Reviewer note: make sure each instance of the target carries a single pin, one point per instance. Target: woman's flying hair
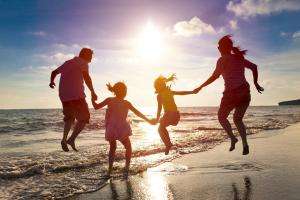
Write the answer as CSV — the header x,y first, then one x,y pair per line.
x,y
226,44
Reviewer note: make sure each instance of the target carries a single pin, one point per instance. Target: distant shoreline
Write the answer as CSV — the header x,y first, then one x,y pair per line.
x,y
290,103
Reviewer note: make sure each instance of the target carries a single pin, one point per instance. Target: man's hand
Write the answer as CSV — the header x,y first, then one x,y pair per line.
x,y
52,85
259,88
94,96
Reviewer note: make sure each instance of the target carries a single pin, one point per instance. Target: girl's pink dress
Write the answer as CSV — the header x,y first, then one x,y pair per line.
x,y
117,126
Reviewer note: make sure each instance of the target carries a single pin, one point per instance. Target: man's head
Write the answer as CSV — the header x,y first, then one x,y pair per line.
x,y
86,54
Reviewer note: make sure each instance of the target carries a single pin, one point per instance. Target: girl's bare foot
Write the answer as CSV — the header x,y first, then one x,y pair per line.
x,y
168,148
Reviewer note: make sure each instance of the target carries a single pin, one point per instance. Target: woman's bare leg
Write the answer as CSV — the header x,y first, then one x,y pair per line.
x,y
238,121
222,117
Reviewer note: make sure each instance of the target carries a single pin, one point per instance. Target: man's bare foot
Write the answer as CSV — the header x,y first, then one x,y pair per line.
x,y
64,146
72,144
168,148
233,142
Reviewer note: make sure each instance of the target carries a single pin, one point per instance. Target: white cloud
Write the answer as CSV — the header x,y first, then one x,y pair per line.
x,y
41,70
251,8
233,24
55,58
193,27
296,35
38,33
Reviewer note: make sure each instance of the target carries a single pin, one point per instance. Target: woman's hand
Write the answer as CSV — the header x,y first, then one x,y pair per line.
x,y
259,88
195,91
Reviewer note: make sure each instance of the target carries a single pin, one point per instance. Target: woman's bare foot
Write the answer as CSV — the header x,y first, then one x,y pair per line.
x,y
233,142
72,144
64,146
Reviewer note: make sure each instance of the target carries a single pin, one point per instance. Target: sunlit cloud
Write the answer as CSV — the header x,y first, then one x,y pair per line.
x,y
252,8
193,27
296,35
233,24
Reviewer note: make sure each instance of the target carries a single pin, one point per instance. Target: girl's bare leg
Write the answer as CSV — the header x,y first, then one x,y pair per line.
x,y
164,135
127,144
111,155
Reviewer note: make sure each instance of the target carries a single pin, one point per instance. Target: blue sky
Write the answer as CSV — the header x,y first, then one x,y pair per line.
x,y
38,36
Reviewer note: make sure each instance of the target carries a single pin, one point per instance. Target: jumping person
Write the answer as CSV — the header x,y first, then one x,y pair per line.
x,y
165,99
71,92
231,65
117,126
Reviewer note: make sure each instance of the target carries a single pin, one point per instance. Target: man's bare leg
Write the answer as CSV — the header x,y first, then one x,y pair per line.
x,y
67,128
79,126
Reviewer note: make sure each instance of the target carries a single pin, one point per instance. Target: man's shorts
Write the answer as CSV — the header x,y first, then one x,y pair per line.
x,y
76,109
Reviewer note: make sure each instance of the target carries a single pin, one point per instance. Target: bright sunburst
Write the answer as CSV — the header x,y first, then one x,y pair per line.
x,y
150,44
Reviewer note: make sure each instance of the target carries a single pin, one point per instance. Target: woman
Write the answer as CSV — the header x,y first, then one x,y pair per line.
x,y
231,65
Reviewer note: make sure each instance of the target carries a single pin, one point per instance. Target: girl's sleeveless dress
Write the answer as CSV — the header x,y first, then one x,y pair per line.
x,y
117,126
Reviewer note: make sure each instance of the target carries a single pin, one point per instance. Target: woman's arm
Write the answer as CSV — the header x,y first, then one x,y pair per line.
x,y
101,104
253,68
183,92
216,74
210,80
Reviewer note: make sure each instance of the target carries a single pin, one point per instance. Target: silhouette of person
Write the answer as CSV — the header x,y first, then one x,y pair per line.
x,y
74,73
231,65
247,191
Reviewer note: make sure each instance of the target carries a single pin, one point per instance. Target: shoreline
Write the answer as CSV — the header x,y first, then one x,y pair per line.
x,y
270,171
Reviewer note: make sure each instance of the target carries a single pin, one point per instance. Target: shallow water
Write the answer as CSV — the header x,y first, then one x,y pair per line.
x,y
33,166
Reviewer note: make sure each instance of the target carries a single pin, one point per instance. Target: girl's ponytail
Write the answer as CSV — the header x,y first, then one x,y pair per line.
x,y
237,51
110,88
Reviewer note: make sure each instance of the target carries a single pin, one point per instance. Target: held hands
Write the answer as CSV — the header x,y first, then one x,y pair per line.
x,y
94,96
259,88
52,85
195,91
152,121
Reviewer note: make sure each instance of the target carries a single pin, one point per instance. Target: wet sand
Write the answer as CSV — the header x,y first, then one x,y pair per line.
x,y
270,171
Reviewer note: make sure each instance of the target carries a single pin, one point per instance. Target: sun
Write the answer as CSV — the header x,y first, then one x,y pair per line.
x,y
150,42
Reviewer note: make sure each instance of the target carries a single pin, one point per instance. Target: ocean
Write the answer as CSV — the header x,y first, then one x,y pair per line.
x,y
32,164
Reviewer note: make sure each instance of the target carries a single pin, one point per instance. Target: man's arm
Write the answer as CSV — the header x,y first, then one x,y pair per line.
x,y
89,83
52,78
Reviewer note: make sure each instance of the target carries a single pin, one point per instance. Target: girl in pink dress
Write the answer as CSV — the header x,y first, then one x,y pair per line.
x,y
117,126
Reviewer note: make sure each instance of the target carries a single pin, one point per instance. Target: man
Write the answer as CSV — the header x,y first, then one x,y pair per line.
x,y
71,93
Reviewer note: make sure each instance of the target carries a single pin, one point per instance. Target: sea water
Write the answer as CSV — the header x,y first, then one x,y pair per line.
x,y
32,164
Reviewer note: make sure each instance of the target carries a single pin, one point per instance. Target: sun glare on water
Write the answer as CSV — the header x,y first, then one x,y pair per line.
x,y
150,42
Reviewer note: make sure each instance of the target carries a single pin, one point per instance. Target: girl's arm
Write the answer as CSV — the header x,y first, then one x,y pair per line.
x,y
101,104
183,92
159,107
138,113
253,68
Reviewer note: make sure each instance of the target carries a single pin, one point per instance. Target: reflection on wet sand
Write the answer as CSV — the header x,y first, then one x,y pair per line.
x,y
247,190
155,187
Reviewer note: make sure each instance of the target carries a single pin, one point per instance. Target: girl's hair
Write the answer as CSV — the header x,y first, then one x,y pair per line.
x,y
226,45
119,89
160,83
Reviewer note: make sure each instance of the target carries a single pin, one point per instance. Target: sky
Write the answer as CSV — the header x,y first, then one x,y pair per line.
x,y
136,40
